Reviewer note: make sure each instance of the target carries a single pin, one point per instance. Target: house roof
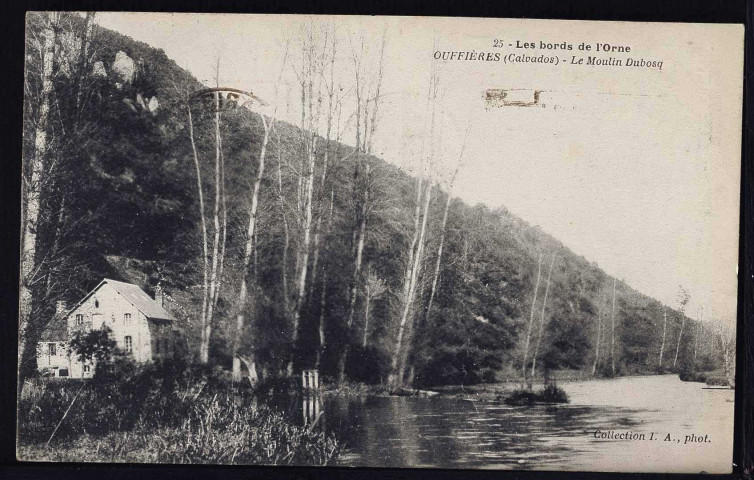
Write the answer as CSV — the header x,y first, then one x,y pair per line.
x,y
138,297
134,294
57,329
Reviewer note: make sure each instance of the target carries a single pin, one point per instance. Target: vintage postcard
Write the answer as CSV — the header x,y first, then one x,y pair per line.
x,y
379,241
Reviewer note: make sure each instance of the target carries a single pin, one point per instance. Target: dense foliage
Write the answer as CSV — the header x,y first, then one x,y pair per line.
x,y
94,345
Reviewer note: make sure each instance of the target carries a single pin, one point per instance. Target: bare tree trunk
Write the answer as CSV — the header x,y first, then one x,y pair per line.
x,y
696,337
32,191
397,364
224,229
323,293
531,316
213,279
599,337
250,236
442,228
204,343
305,249
284,269
363,145
366,321
251,367
680,333
361,237
59,221
612,332
332,106
683,300
542,321
361,216
664,331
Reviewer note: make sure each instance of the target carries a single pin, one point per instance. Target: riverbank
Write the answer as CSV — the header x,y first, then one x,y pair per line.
x,y
162,417
502,387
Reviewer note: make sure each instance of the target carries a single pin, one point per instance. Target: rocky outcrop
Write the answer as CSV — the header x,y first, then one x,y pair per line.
x,y
124,66
98,70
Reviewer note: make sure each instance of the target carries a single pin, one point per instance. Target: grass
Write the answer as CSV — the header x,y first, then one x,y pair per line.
x,y
150,418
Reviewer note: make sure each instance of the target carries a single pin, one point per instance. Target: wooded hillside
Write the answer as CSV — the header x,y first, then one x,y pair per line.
x,y
327,260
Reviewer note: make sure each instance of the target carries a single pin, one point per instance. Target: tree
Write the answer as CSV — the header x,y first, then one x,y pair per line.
x,y
438,261
374,288
213,259
725,336
416,249
664,331
599,338
683,300
323,294
367,96
93,346
310,78
59,128
531,316
699,317
542,323
251,235
32,190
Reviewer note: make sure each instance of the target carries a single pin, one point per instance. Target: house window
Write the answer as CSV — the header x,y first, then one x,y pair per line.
x,y
52,349
87,368
127,318
96,303
63,372
129,344
79,319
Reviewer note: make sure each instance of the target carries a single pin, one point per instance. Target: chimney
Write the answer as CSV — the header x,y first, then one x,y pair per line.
x,y
60,307
158,295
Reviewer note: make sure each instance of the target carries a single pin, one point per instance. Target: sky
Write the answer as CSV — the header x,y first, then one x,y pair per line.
x,y
635,168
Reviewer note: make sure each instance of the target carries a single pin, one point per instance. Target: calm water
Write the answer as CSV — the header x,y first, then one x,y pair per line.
x,y
451,432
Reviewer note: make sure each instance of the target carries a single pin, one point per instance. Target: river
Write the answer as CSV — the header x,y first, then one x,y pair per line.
x,y
656,413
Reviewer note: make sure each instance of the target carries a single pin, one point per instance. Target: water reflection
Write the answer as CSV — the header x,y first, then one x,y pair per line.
x,y
449,432
311,408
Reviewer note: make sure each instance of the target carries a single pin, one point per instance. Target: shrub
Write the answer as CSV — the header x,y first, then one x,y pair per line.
x,y
714,380
692,377
526,397
554,394
520,397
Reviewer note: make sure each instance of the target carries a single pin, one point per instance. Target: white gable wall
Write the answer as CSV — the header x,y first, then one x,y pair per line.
x,y
107,307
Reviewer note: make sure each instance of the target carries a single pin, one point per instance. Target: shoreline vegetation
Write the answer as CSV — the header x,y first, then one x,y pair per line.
x,y
163,415
195,414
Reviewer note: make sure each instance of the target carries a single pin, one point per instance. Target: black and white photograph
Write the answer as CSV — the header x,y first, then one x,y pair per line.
x,y
379,241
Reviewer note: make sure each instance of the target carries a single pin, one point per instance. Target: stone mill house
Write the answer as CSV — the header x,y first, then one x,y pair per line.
x,y
141,327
